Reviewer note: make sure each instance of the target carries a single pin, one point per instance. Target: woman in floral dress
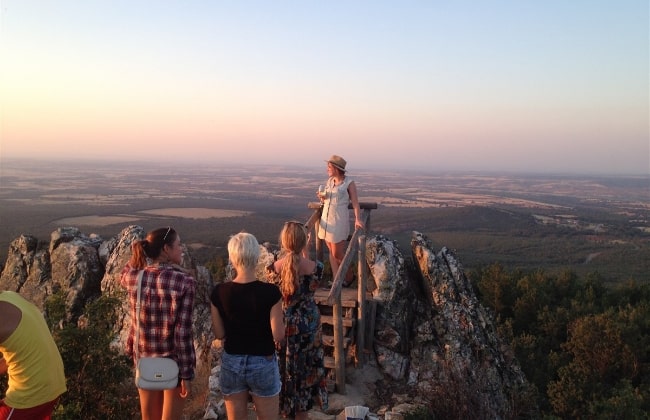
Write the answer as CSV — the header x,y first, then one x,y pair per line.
x,y
301,358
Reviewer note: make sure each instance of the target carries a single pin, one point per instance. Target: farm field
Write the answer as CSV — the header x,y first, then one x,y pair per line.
x,y
553,222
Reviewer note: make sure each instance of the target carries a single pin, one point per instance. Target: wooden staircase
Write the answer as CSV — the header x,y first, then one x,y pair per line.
x,y
349,321
347,314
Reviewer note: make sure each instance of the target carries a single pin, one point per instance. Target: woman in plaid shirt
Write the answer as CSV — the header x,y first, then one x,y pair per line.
x,y
165,316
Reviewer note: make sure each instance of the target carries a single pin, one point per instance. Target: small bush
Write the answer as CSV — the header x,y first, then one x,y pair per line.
x,y
99,378
420,413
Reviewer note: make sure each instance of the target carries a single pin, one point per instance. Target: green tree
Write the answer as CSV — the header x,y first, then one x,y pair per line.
x,y
583,344
600,361
217,267
496,290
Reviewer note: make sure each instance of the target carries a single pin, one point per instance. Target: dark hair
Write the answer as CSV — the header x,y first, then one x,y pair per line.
x,y
151,246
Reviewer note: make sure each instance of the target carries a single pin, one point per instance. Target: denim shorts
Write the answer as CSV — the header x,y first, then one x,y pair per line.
x,y
258,374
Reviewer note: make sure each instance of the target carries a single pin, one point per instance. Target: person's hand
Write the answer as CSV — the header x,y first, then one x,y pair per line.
x,y
358,224
279,345
185,388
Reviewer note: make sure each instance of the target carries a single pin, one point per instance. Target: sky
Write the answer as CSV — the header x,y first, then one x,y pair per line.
x,y
484,85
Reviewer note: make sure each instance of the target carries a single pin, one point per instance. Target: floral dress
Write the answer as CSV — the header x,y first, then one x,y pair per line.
x,y
301,359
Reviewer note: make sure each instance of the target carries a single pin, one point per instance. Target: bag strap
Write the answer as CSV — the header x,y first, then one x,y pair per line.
x,y
137,315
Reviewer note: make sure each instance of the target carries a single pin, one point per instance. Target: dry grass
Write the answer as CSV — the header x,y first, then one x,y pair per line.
x,y
196,404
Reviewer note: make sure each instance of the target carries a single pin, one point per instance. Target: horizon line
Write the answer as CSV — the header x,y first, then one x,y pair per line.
x,y
149,162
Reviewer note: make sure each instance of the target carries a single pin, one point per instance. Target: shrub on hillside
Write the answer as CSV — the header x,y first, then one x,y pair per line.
x,y
99,378
584,346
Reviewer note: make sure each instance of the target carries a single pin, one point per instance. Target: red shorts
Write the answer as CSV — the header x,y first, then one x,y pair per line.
x,y
40,412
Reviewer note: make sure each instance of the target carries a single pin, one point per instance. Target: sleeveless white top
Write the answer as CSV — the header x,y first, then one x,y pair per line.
x,y
335,219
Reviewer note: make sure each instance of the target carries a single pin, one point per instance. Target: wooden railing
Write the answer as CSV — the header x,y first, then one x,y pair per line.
x,y
357,244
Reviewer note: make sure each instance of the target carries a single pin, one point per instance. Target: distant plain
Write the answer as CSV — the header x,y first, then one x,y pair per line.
x,y
586,224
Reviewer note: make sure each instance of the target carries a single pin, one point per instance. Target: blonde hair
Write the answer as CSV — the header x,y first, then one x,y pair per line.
x,y
293,240
243,250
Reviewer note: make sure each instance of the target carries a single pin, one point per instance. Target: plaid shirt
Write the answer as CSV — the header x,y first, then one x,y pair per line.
x,y
167,302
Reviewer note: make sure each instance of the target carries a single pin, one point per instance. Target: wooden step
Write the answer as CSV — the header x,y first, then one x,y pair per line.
x,y
328,340
348,297
329,319
329,362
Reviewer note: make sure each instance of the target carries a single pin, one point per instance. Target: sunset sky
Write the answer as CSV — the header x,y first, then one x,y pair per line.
x,y
542,86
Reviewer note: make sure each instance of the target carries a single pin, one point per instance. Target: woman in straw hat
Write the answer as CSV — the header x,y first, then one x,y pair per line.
x,y
340,191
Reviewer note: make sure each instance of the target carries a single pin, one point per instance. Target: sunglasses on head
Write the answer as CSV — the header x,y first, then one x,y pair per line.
x,y
167,233
297,223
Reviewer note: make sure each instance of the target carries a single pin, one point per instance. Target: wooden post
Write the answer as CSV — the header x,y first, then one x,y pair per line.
x,y
313,219
370,334
361,299
319,247
314,222
339,351
366,217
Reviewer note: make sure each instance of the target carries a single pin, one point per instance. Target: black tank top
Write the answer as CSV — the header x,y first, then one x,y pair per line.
x,y
246,313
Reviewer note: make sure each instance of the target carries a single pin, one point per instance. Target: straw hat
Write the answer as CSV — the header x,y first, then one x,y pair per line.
x,y
338,162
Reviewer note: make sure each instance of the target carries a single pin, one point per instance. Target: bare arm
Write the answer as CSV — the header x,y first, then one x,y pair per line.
x,y
354,199
217,323
305,250
10,316
277,322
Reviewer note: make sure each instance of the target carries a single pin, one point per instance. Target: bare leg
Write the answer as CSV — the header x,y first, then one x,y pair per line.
x,y
334,264
337,253
237,406
173,404
151,404
267,408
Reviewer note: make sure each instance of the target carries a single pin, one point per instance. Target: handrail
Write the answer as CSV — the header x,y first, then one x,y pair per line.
x,y
313,219
337,283
363,205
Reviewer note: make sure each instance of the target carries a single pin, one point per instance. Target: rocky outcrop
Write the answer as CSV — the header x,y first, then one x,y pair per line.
x,y
432,336
70,263
84,267
396,294
467,352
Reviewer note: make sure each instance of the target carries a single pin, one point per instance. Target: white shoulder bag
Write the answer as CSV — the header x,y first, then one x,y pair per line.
x,y
152,373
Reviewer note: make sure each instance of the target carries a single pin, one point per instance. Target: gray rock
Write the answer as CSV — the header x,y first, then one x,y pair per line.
x,y
431,336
